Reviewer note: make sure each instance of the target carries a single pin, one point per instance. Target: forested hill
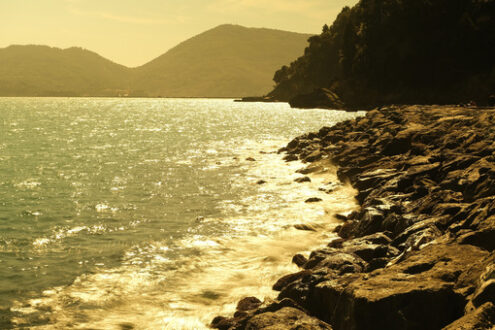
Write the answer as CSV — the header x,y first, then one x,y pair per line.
x,y
399,51
47,71
227,61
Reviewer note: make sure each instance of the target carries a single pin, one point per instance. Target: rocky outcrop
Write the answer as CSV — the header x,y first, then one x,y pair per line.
x,y
320,98
419,254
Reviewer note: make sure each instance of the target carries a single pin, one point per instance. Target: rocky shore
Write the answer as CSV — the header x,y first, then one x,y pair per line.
x,y
419,254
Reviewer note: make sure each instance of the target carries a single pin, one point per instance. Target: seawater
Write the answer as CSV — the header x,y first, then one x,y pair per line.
x,y
146,213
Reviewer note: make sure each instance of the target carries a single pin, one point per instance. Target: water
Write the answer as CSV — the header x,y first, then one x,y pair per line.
x,y
145,213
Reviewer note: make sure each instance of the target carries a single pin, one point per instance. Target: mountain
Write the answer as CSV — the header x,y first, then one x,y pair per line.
x,y
227,61
398,51
45,71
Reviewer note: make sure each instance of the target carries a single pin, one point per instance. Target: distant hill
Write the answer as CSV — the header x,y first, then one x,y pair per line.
x,y
227,61
46,71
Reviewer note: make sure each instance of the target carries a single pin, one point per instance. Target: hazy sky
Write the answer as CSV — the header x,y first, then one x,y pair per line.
x,y
132,32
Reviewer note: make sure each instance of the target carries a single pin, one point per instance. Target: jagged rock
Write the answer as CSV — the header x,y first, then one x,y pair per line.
x,y
305,227
415,293
419,252
302,179
287,318
314,156
309,169
485,293
299,260
285,280
248,303
313,200
482,318
290,158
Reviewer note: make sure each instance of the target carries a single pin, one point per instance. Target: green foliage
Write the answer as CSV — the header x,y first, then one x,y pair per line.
x,y
400,51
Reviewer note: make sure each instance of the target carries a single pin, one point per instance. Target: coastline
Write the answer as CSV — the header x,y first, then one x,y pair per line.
x,y
419,252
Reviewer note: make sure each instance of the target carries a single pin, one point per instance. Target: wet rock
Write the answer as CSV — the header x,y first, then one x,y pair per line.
x,y
286,318
305,227
313,200
310,169
485,293
248,303
287,279
330,187
222,323
291,158
336,243
393,298
299,260
314,156
482,318
347,229
302,179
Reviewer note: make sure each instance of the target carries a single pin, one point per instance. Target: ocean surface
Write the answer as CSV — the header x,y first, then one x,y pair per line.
x,y
146,213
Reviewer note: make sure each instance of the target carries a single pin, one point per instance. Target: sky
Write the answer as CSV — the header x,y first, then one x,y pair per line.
x,y
133,32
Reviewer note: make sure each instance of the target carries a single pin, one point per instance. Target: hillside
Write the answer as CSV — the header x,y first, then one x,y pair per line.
x,y
399,51
229,60
46,71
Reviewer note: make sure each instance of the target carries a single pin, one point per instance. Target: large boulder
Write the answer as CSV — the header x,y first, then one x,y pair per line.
x,y
421,292
287,318
482,318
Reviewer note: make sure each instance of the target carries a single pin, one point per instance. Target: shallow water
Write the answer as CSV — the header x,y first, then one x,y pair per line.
x,y
145,213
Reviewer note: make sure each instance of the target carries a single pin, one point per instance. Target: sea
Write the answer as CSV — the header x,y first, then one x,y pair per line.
x,y
123,213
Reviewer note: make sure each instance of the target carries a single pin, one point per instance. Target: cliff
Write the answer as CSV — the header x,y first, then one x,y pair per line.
x,y
399,52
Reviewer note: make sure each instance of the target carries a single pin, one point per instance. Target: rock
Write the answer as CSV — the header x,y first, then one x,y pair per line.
x,y
302,179
309,169
251,159
261,182
299,260
305,227
336,243
287,279
221,323
419,252
485,293
287,318
344,216
313,200
393,298
314,156
291,158
319,98
482,318
248,303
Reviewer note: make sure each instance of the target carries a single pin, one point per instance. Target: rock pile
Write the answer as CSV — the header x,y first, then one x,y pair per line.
x,y
420,252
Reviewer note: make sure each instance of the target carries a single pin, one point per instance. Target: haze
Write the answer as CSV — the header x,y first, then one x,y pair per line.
x,y
134,32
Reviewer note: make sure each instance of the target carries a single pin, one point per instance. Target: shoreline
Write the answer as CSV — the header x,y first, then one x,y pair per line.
x,y
419,253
